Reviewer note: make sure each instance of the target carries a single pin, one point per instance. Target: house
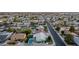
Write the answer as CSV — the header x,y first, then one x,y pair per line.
x,y
40,28
65,29
21,24
4,36
2,28
18,37
76,39
76,23
40,36
3,19
1,22
41,21
34,21
77,32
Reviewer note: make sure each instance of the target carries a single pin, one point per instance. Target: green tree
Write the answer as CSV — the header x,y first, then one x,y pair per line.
x,y
69,39
72,29
45,28
10,30
58,28
49,40
27,31
33,18
5,16
62,33
16,19
61,18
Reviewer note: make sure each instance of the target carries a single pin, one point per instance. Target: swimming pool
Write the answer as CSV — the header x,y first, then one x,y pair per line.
x,y
30,41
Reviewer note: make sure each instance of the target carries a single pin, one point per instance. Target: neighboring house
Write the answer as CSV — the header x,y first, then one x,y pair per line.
x,y
76,23
77,32
40,28
76,39
16,27
4,36
10,19
3,19
1,22
18,37
41,21
20,24
65,29
34,21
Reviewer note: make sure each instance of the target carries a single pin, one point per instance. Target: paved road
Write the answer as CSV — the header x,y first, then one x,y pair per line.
x,y
57,39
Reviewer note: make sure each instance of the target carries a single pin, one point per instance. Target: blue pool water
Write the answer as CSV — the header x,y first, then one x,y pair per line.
x,y
30,41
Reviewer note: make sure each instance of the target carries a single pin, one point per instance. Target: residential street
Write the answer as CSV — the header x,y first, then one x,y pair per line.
x,y
57,39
